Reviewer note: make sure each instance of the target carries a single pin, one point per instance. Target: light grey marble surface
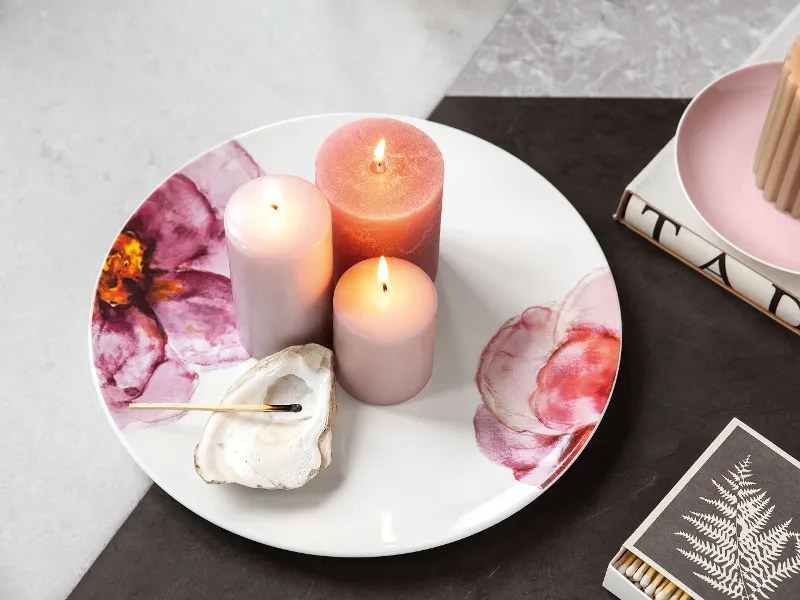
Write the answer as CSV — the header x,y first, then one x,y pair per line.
x,y
666,48
99,102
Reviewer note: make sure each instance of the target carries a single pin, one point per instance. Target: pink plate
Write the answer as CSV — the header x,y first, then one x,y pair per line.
x,y
716,142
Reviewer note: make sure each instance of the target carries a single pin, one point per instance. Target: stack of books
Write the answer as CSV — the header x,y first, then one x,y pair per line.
x,y
655,206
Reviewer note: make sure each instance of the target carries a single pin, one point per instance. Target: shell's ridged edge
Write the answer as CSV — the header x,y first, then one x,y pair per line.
x,y
333,408
304,351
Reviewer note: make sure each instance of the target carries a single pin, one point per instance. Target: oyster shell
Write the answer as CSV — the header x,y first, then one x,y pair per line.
x,y
273,450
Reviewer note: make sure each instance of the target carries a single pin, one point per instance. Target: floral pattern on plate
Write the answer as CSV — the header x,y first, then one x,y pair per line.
x,y
545,379
163,305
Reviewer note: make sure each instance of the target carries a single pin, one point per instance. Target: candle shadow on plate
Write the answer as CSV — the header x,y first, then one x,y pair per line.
x,y
465,321
319,489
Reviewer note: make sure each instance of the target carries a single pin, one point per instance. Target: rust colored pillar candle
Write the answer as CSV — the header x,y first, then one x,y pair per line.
x,y
383,179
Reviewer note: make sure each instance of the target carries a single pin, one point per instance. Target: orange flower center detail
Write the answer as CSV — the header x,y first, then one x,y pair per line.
x,y
163,289
123,263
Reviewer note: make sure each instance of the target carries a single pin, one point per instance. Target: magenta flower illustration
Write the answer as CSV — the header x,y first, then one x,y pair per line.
x,y
164,307
545,379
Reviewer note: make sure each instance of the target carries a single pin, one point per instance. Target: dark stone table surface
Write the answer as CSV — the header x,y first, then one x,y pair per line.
x,y
693,356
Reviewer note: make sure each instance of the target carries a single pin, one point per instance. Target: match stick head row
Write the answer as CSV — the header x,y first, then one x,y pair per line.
x,y
647,577
634,566
666,591
623,568
623,559
651,589
652,583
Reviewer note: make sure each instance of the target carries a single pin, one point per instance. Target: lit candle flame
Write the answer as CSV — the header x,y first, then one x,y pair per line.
x,y
378,157
383,274
380,151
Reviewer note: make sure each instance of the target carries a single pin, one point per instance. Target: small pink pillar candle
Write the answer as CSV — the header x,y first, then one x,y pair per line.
x,y
278,229
384,322
386,199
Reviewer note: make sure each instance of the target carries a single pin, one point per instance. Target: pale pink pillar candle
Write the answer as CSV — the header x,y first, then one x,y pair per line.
x,y
384,323
388,205
278,229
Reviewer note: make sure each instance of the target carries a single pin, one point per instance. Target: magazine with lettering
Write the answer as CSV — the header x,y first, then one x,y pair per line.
x,y
655,206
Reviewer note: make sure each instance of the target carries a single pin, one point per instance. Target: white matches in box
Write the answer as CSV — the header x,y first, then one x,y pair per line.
x,y
629,577
727,530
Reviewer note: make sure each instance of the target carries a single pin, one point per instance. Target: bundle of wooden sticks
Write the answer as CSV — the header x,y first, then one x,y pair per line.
x,y
650,581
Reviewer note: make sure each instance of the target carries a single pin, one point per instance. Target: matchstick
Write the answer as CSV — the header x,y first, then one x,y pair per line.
x,y
666,593
650,581
648,577
634,566
624,566
253,408
622,559
654,585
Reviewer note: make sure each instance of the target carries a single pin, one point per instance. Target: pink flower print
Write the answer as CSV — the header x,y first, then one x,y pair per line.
x,y
545,379
163,307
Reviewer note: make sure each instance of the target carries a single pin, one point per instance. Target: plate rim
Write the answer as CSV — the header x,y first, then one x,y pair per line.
x,y
381,551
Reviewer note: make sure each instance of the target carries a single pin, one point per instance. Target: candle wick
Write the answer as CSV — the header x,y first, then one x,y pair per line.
x,y
275,206
385,287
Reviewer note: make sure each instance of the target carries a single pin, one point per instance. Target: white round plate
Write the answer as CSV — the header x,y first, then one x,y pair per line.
x,y
527,352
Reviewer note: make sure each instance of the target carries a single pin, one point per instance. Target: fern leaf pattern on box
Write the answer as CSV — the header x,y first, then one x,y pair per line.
x,y
736,550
